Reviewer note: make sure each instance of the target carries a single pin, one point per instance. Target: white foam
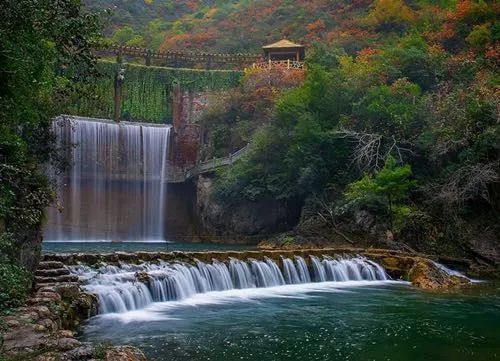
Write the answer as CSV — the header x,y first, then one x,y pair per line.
x,y
159,311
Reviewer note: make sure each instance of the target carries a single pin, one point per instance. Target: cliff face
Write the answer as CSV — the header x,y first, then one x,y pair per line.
x,y
244,219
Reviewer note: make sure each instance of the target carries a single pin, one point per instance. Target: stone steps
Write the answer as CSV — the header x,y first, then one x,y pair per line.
x,y
45,265
52,272
39,280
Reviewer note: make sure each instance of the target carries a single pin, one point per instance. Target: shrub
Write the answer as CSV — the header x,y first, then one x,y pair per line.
x,y
14,285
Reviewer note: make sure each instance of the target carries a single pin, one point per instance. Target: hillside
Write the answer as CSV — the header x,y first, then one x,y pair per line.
x,y
226,25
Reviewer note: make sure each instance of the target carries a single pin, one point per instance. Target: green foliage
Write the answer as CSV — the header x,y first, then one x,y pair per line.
x,y
14,285
479,36
14,280
390,110
146,90
388,188
45,46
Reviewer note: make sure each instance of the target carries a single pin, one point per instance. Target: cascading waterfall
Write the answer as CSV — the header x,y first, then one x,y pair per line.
x,y
123,288
115,186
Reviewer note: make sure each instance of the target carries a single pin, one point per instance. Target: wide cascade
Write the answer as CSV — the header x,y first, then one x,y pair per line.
x,y
115,185
130,287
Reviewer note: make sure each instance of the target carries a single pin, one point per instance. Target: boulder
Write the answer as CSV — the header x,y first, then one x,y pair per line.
x,y
142,277
124,353
67,343
427,275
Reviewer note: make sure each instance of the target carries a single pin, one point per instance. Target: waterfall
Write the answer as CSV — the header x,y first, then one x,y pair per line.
x,y
114,188
123,288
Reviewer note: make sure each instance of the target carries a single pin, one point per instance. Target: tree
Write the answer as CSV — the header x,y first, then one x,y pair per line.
x,y
45,47
389,188
390,14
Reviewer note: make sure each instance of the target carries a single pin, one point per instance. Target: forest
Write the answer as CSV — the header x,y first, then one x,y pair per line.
x,y
376,162
404,132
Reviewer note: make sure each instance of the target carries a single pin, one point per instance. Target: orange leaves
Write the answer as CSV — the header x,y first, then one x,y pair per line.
x,y
390,11
366,53
316,26
492,53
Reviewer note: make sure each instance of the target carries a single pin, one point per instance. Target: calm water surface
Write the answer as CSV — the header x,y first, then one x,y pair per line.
x,y
377,321
87,246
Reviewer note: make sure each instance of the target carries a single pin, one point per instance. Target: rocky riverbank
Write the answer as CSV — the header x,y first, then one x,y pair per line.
x,y
45,328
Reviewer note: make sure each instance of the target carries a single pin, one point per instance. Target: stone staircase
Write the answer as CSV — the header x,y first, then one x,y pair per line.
x,y
52,273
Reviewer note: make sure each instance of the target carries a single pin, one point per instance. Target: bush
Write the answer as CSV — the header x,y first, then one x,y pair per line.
x,y
14,285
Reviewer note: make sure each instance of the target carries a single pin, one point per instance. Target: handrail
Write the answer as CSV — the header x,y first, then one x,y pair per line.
x,y
179,176
279,64
210,165
180,55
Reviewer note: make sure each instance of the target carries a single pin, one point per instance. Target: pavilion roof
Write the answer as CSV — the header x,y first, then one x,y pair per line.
x,y
284,43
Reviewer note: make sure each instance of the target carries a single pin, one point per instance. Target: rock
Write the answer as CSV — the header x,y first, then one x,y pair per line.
x,y
39,328
56,279
84,352
427,275
68,291
52,272
11,322
244,219
50,265
23,338
67,343
29,317
48,356
40,301
85,305
47,324
124,353
42,311
65,333
364,219
142,277
53,296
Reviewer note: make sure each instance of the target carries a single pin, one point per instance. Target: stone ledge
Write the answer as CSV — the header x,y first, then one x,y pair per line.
x,y
398,264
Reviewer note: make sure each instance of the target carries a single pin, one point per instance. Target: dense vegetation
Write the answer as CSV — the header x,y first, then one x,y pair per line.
x,y
39,41
414,81
146,94
406,129
216,25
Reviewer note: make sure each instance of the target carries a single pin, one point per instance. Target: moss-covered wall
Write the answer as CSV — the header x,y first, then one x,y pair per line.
x,y
146,90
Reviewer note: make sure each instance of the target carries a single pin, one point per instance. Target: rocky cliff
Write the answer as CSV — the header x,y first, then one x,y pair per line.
x,y
244,221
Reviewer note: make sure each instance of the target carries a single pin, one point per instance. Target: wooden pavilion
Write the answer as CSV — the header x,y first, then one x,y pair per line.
x,y
284,50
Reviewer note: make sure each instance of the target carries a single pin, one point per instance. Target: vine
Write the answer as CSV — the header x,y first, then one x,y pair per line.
x,y
147,90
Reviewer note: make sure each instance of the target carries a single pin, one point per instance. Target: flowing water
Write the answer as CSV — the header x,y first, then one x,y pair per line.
x,y
257,310
119,291
356,322
303,309
115,186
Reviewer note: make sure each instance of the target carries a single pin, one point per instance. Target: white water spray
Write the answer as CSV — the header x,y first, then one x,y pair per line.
x,y
119,289
115,187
